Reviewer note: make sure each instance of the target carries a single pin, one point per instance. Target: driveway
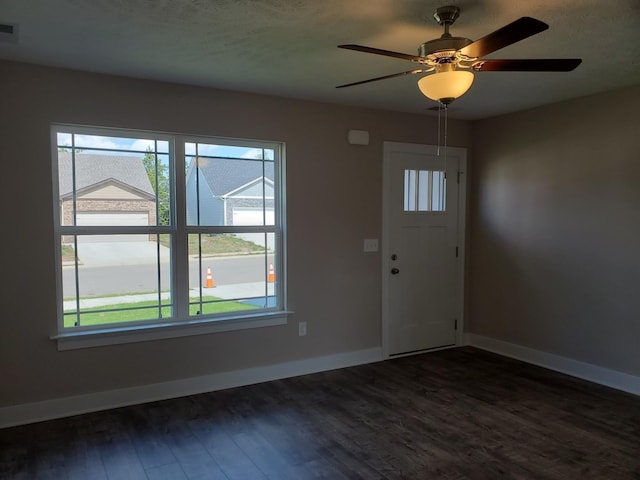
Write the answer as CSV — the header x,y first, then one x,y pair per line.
x,y
120,253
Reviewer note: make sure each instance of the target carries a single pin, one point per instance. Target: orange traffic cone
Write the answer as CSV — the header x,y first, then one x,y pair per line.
x,y
272,274
209,282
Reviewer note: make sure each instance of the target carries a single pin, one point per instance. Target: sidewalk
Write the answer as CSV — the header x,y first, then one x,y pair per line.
x,y
227,292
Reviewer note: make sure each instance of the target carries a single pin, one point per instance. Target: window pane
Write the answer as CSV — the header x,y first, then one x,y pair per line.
x,y
101,142
115,279
157,168
228,273
107,189
424,191
273,274
409,190
228,151
438,192
229,191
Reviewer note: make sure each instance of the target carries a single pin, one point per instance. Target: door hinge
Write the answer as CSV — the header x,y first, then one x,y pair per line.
x,y
459,173
455,324
457,249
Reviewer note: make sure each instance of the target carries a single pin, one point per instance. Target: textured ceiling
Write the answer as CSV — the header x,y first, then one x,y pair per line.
x,y
288,47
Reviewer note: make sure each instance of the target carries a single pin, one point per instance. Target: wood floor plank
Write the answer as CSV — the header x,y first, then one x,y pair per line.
x,y
195,460
231,459
171,471
82,456
14,452
116,448
146,427
449,415
47,457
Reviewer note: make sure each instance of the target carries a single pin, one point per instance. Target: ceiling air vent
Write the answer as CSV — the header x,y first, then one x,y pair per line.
x,y
8,33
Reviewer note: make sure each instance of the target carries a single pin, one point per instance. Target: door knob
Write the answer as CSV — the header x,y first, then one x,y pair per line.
x,y
395,271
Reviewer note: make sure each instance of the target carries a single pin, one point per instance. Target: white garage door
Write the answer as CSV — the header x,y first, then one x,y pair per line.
x,y
252,216
126,219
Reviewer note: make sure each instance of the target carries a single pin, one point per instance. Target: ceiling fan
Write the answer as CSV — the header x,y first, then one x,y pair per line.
x,y
454,59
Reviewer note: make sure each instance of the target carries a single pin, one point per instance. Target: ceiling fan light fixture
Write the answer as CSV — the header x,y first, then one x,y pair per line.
x,y
446,86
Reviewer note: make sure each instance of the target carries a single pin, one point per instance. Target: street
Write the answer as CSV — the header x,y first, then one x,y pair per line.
x,y
123,279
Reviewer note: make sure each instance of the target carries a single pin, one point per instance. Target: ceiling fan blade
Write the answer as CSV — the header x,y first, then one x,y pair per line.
x,y
401,74
378,51
514,32
528,65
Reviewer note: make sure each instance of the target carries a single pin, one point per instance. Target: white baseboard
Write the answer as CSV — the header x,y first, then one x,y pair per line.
x,y
92,402
586,371
68,406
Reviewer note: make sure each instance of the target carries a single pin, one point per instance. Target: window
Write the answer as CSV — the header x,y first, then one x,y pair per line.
x,y
424,191
166,232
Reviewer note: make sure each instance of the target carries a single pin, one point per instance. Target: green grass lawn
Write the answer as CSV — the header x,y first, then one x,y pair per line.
x,y
67,253
221,244
147,310
217,244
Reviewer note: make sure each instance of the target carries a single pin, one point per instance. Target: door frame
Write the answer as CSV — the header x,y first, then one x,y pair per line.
x,y
388,149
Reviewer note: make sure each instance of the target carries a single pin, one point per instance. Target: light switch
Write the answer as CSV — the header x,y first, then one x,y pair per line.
x,y
370,244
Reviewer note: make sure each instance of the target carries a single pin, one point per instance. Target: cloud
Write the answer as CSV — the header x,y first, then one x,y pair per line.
x,y
95,141
257,153
64,138
125,145
203,149
143,144
253,153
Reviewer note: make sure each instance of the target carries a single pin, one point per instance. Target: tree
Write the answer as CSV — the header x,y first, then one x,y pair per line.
x,y
158,173
67,148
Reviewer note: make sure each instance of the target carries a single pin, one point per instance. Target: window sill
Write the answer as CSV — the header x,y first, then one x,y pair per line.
x,y
143,333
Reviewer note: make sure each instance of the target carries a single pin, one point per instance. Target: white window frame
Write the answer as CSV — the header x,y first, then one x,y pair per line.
x,y
181,324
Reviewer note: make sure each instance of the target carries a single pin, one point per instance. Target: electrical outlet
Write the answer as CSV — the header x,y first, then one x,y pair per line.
x,y
370,244
302,329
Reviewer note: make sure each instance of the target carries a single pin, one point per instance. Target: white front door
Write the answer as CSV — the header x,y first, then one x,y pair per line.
x,y
422,247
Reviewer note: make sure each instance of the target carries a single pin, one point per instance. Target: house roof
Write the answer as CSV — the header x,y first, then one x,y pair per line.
x,y
224,175
254,188
96,169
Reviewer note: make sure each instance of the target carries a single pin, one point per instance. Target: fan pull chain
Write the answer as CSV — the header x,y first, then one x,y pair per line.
x,y
439,108
446,128
444,180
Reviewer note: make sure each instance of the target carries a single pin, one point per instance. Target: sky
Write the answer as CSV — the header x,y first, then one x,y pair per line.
x,y
140,145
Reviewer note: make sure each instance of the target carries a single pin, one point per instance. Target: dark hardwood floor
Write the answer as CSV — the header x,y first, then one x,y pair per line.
x,y
454,414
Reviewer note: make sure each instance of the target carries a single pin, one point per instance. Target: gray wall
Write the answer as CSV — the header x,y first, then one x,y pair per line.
x,y
334,286
554,229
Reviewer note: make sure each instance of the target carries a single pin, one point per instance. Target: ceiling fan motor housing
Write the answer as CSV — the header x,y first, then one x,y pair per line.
x,y
442,48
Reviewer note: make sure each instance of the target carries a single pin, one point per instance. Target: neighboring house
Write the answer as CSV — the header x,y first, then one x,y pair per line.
x,y
110,190
223,191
